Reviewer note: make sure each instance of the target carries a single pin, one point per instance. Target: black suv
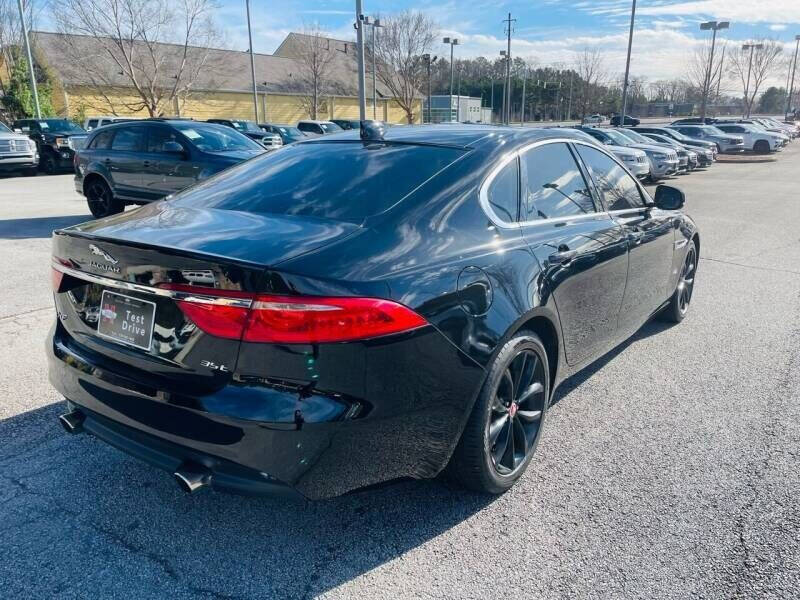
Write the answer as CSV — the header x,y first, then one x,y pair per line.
x,y
142,161
629,120
56,140
347,123
252,130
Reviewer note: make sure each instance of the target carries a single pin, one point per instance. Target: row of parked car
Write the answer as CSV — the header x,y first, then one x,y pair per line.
x,y
49,145
655,152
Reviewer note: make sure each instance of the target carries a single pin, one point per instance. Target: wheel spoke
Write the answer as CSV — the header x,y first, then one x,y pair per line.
x,y
495,428
500,449
530,391
508,457
530,416
521,441
518,379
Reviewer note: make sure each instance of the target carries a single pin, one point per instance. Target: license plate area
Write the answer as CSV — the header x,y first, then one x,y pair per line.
x,y
126,320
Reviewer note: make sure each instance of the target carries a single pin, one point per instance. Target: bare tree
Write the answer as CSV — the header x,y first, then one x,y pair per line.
x,y
314,54
764,64
592,74
11,34
119,45
403,40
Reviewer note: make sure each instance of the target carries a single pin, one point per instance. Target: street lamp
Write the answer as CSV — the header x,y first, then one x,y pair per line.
x,y
375,24
428,62
714,26
750,47
452,42
794,68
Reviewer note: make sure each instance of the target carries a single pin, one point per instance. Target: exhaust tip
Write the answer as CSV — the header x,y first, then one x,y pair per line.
x,y
192,479
72,422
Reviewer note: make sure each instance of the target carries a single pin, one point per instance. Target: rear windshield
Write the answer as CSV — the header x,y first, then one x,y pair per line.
x,y
345,181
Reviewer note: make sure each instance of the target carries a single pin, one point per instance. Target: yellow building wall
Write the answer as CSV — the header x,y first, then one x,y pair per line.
x,y
90,102
280,108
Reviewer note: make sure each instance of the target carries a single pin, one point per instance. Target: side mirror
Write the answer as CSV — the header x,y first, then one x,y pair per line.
x,y
669,198
174,148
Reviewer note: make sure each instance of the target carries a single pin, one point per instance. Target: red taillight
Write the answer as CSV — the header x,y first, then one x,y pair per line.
x,y
295,319
55,278
310,320
221,321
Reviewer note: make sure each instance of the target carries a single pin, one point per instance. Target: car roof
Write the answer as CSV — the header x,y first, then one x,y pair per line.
x,y
456,135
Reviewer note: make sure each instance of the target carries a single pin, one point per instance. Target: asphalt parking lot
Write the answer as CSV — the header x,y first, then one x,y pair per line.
x,y
668,469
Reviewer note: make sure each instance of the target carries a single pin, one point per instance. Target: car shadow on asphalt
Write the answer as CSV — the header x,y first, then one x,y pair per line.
x,y
652,327
37,227
136,525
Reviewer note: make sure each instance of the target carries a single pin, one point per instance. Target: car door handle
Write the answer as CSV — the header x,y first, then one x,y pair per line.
x,y
635,237
564,256
145,163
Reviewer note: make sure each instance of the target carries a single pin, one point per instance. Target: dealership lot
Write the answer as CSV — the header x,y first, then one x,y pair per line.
x,y
667,469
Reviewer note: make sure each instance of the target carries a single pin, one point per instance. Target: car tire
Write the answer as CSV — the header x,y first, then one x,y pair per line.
x,y
761,147
101,200
48,164
486,458
678,305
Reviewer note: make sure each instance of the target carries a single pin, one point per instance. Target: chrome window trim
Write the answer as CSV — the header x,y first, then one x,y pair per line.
x,y
483,194
146,289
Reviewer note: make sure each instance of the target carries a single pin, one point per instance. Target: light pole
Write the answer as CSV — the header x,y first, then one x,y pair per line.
x,y
362,92
453,42
524,82
375,24
428,62
714,26
458,94
751,47
31,72
506,98
794,68
509,28
627,68
491,120
252,62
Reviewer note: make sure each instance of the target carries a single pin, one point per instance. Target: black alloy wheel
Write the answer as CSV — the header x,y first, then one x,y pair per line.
x,y
504,427
101,199
761,147
517,410
678,306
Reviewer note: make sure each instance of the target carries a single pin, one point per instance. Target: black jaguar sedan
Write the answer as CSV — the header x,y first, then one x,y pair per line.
x,y
360,307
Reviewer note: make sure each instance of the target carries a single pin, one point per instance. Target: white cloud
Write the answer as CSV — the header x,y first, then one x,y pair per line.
x,y
777,27
744,11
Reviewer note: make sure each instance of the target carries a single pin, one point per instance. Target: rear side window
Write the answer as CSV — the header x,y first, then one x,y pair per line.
x,y
345,181
619,190
553,185
91,124
101,140
503,192
128,139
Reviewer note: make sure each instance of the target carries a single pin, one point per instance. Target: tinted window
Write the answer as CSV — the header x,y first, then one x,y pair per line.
x,y
619,190
554,186
503,192
158,136
309,127
101,140
91,124
346,181
128,139
4,128
330,127
217,138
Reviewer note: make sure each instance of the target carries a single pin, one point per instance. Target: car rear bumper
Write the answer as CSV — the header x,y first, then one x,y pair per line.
x,y
328,443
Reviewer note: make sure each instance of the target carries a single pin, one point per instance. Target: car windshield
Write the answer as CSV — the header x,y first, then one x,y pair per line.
x,y
618,138
345,181
4,129
293,133
635,136
60,126
330,127
216,138
710,130
661,139
248,126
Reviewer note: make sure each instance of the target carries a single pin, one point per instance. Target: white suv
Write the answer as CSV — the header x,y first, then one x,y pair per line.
x,y
755,138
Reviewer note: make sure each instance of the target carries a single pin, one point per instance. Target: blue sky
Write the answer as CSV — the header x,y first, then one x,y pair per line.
x,y
547,31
